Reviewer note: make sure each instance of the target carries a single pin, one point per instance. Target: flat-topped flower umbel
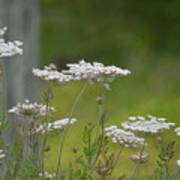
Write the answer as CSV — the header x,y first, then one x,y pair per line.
x,y
53,126
96,72
50,73
9,48
124,138
151,124
31,109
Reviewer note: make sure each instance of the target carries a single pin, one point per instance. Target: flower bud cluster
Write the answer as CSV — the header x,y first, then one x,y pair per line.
x,y
139,158
151,124
31,109
124,138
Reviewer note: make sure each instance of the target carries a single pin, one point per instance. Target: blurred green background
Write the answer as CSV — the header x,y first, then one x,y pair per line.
x,y
143,36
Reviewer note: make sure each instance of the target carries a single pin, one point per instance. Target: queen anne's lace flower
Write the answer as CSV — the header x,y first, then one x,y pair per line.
x,y
52,126
2,154
47,175
124,138
177,131
151,124
95,71
8,49
31,109
50,73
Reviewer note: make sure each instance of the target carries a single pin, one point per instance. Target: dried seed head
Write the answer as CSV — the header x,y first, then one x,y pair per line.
x,y
139,158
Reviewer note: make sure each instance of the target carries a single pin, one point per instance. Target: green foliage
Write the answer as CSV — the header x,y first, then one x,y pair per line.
x,y
164,157
29,169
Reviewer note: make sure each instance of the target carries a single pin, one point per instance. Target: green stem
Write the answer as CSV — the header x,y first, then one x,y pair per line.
x,y
62,136
45,136
100,125
137,167
117,158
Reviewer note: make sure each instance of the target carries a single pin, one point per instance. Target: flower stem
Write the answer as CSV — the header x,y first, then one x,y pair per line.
x,y
62,137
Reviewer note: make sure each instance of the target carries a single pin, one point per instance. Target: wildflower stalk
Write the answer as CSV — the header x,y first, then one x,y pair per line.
x,y
117,158
62,136
100,124
177,173
137,167
47,97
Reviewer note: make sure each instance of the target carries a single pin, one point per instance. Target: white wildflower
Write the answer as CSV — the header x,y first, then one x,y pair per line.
x,y
52,126
124,138
47,175
2,154
10,48
95,71
50,73
31,109
151,124
177,131
178,163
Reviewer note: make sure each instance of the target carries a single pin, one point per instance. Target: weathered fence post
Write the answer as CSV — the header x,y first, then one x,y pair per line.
x,y
22,19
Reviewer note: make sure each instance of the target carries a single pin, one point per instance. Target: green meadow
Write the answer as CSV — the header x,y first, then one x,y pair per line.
x,y
121,34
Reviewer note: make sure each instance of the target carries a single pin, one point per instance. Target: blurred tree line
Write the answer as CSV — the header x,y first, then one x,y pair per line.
x,y
124,32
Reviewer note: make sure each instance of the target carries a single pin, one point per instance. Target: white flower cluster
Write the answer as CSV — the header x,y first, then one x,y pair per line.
x,y
50,73
151,124
177,131
31,109
47,175
95,71
124,138
178,163
56,125
8,49
2,154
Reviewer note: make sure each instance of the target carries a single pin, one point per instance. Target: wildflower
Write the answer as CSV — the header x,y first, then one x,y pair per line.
x,y
56,125
178,163
50,73
2,154
139,158
47,175
177,131
31,109
10,48
95,72
124,138
151,124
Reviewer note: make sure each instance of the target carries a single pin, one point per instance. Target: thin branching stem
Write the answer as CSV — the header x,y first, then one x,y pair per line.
x,y
64,134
